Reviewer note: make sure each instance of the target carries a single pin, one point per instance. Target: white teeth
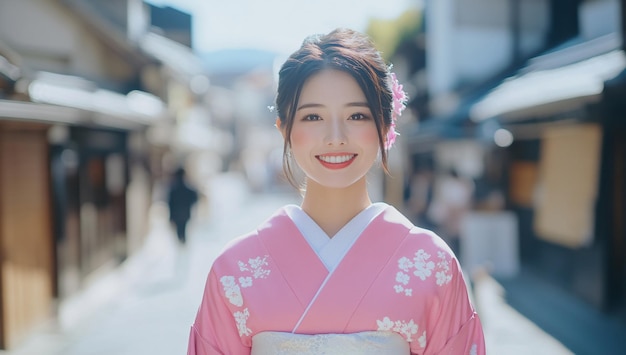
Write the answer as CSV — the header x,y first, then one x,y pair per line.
x,y
336,159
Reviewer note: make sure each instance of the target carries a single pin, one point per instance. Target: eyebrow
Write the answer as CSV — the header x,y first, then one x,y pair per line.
x,y
350,104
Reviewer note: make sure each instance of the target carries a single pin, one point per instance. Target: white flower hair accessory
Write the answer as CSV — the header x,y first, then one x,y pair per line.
x,y
398,104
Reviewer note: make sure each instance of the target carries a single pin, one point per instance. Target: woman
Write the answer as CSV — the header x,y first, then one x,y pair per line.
x,y
337,274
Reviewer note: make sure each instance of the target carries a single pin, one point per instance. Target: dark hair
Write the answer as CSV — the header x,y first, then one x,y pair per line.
x,y
342,49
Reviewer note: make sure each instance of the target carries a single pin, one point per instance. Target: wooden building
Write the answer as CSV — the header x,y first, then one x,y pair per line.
x,y
526,99
82,84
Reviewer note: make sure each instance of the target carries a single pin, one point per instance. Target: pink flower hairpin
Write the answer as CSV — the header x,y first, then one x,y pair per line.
x,y
398,105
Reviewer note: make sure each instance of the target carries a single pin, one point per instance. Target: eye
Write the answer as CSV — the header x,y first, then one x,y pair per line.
x,y
311,117
358,117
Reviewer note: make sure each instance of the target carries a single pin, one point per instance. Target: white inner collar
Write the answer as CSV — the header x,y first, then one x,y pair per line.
x,y
332,250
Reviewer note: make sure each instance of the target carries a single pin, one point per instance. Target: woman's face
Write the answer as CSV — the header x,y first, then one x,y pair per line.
x,y
334,138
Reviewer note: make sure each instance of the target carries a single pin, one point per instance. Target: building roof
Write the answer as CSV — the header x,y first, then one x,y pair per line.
x,y
564,79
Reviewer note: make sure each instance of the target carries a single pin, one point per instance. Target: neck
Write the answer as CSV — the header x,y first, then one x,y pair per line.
x,y
332,208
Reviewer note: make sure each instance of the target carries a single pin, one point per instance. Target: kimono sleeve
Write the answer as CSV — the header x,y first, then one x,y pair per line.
x,y
457,330
214,330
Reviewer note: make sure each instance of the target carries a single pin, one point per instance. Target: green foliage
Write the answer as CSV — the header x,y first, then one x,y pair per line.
x,y
388,34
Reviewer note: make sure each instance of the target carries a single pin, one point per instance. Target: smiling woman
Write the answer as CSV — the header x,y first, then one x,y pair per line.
x,y
334,138
338,274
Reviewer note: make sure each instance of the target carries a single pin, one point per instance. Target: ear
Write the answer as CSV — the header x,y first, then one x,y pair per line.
x,y
279,127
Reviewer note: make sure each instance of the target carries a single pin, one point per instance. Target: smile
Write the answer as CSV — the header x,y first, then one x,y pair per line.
x,y
336,161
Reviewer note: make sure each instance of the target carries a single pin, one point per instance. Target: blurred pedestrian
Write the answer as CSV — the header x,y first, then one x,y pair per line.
x,y
181,198
337,274
452,201
419,196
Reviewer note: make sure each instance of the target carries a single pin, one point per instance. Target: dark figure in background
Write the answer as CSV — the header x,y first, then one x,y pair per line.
x,y
181,198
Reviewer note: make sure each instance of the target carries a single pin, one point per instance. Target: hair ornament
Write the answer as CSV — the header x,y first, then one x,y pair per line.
x,y
398,104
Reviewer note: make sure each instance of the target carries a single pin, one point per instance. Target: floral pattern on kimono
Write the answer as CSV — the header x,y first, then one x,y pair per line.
x,y
395,277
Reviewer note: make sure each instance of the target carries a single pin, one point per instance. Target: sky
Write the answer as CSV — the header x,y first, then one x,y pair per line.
x,y
277,25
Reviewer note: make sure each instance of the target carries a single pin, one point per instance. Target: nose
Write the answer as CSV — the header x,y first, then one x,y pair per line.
x,y
336,133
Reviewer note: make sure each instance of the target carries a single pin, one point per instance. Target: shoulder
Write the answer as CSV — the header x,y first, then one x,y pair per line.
x,y
414,243
428,239
424,259
391,221
412,235
250,245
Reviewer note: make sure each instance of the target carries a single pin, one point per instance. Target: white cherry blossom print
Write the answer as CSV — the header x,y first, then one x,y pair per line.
x,y
405,264
385,324
232,286
406,329
443,275
424,268
473,350
242,322
255,267
443,278
232,290
422,340
245,281
402,278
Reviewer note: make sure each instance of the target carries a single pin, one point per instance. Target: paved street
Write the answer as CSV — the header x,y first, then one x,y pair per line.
x,y
159,289
155,317
507,332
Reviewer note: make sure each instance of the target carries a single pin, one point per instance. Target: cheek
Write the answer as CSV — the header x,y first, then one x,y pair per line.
x,y
368,136
300,136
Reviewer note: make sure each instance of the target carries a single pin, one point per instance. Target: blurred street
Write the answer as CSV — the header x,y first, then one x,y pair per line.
x,y
159,289
512,149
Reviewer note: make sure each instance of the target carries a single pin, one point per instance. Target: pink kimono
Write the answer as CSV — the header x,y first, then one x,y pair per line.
x,y
381,274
